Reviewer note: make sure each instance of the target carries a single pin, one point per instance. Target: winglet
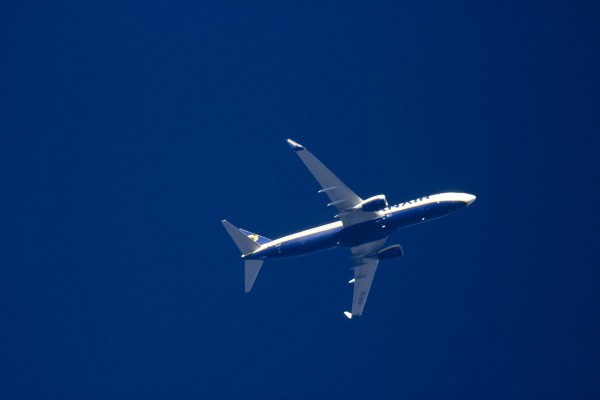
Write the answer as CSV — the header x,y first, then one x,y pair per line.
x,y
295,146
348,314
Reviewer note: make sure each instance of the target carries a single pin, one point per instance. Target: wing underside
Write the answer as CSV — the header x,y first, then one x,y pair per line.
x,y
364,268
341,196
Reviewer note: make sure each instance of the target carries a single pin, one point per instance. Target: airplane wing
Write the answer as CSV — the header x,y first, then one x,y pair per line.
x,y
364,272
341,196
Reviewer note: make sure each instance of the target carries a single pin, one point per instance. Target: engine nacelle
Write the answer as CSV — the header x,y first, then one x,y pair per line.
x,y
375,203
389,253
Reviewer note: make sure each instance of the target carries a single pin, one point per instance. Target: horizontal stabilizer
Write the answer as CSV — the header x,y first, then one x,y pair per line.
x,y
251,269
243,242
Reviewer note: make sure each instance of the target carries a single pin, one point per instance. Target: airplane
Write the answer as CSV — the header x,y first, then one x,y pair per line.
x,y
363,227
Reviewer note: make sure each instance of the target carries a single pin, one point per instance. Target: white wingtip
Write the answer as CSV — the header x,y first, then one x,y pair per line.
x,y
348,314
295,146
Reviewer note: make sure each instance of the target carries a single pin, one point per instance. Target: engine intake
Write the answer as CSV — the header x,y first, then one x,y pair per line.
x,y
375,203
389,253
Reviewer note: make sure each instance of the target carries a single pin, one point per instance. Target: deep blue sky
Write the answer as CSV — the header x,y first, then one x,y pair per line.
x,y
129,130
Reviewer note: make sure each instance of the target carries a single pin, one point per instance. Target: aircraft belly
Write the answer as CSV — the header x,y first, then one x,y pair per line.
x,y
365,232
308,244
358,234
299,246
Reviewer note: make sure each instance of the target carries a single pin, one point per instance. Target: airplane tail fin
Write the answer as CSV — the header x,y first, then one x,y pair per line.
x,y
247,242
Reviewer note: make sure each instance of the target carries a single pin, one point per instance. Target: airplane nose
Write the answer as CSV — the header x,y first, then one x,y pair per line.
x,y
469,198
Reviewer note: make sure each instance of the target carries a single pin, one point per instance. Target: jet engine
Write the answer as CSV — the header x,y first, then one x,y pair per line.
x,y
372,204
390,252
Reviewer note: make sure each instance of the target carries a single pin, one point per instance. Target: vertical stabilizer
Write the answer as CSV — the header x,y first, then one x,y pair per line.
x,y
251,268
